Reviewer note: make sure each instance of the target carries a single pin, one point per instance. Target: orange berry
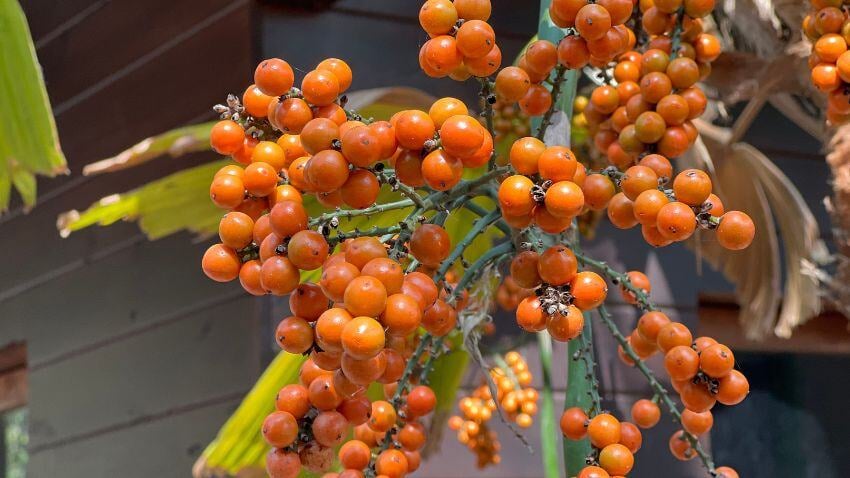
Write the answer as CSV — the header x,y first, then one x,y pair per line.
x,y
697,423
645,413
320,87
430,244
274,77
220,263
475,38
735,231
616,459
574,423
603,430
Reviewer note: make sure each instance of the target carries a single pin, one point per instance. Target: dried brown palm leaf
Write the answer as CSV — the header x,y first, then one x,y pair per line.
x,y
755,271
799,233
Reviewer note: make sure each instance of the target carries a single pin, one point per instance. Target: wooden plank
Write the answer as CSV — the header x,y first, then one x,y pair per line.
x,y
13,389
147,283
110,40
165,447
179,84
48,19
212,353
13,356
175,84
824,334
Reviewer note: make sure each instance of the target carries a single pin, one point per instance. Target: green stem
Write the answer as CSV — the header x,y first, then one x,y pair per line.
x,y
557,84
349,213
477,267
579,394
548,430
477,228
620,278
486,91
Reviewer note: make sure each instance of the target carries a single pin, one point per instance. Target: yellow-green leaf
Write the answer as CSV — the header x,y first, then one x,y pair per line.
x,y
29,143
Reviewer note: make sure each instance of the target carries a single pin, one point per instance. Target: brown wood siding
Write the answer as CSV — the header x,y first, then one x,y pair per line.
x,y
135,357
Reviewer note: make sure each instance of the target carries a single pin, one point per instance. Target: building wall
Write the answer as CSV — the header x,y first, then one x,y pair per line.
x,y
135,358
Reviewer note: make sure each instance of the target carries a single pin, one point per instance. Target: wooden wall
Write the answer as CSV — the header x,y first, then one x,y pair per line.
x,y
135,359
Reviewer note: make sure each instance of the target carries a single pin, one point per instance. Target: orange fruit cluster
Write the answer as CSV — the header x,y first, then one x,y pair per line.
x,y
514,396
614,442
828,28
564,292
462,43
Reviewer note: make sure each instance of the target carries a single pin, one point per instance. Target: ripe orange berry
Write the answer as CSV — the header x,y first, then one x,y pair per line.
x,y
557,265
421,401
355,454
512,83
645,413
593,472
366,296
442,55
280,429
486,65
279,276
220,263
282,464
695,396
461,135
524,269
401,315
274,77
363,249
630,436
473,9
592,21
557,163
437,17
726,472
650,324
445,108
226,137
574,423
413,128
294,335
676,221
530,315
733,388
603,430
692,187
236,230
588,289
680,447
249,277
573,52
329,428
564,326
475,38
681,363
564,199
537,101
616,459
362,338
340,70
256,102
636,180
541,57
361,189
430,244
391,463
697,423
621,212
598,190
716,360
735,231
672,335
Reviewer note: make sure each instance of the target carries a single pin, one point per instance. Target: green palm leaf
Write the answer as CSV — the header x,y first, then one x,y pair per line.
x,y
29,144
